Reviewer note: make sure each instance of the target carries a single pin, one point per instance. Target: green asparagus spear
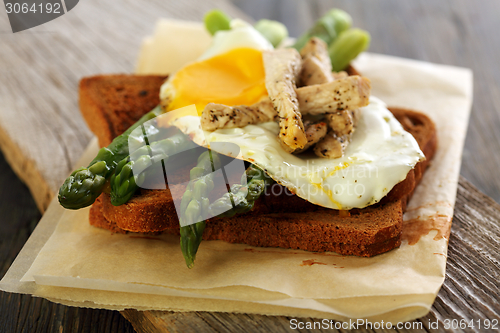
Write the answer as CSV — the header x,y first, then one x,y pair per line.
x,y
191,237
84,185
275,32
327,28
125,179
347,46
241,199
194,205
216,20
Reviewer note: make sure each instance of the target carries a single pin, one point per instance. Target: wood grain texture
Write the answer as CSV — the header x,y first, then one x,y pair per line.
x,y
42,133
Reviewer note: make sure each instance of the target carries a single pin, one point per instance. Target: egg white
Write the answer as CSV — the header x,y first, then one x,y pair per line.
x,y
241,35
379,156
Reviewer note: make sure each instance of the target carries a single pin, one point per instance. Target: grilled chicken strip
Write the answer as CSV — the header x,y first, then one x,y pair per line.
x,y
282,67
331,146
217,116
316,64
314,133
342,125
349,93
341,122
339,75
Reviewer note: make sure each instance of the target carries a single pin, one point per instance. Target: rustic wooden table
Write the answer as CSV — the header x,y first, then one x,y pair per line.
x,y
39,72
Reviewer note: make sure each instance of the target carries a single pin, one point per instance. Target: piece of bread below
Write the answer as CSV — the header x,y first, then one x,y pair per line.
x,y
370,231
112,103
276,221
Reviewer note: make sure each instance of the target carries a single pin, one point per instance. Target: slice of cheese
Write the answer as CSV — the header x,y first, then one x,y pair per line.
x,y
174,44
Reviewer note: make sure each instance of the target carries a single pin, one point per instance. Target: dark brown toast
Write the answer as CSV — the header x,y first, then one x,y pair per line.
x,y
365,232
276,221
111,103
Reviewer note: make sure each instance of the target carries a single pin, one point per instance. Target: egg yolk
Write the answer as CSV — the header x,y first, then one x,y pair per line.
x,y
233,78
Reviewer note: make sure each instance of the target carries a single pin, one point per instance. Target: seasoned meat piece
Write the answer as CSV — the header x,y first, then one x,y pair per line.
x,y
316,64
221,116
314,133
313,72
339,75
341,122
331,146
349,93
282,67
316,47
341,125
217,116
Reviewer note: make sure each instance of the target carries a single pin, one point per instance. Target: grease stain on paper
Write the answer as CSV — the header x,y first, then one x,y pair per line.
x,y
415,228
311,262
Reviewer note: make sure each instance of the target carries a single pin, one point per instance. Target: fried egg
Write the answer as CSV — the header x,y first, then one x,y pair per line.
x,y
230,72
379,156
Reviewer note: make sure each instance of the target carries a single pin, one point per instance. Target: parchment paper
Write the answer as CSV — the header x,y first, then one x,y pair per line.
x,y
68,261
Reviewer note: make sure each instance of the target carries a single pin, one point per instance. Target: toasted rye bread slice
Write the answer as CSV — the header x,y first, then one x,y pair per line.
x,y
112,103
276,221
